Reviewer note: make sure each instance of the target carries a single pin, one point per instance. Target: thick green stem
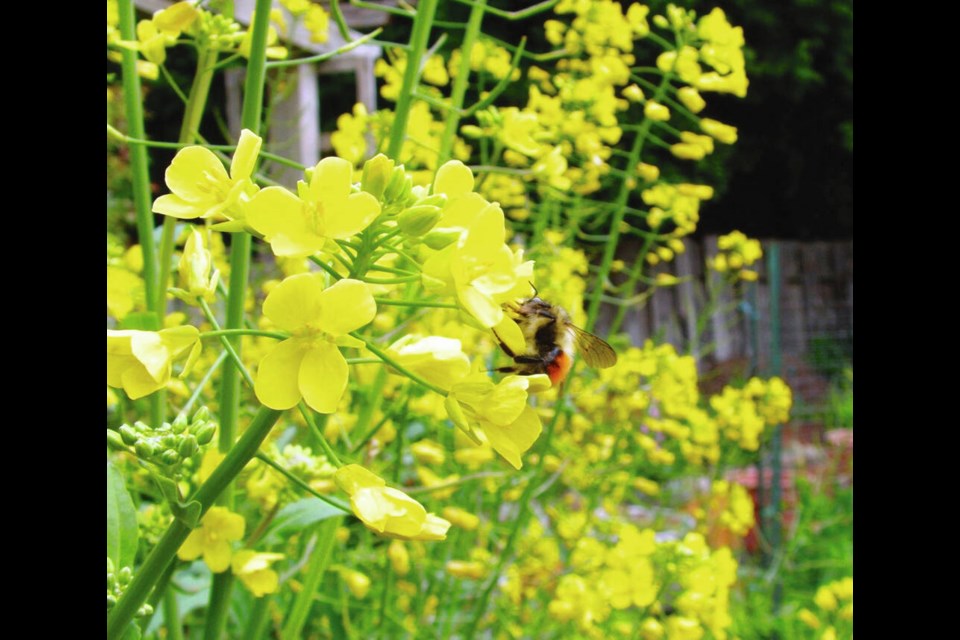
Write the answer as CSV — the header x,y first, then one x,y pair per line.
x,y
315,569
218,608
619,212
411,76
193,113
239,274
257,623
139,172
171,615
461,81
162,554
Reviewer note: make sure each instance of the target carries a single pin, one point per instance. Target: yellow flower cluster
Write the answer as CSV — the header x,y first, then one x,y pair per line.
x,y
736,252
834,617
315,18
742,414
615,575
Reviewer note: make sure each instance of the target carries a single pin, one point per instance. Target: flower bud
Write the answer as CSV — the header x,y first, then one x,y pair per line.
x,y
438,239
128,434
169,441
169,457
114,439
471,131
418,220
145,449
691,99
188,446
124,575
205,433
196,273
377,173
399,186
111,601
179,424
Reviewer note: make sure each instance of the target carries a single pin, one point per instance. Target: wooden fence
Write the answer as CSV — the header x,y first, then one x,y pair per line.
x,y
816,315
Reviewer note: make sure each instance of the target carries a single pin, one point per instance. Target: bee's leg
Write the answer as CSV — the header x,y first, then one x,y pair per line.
x,y
528,360
503,345
505,369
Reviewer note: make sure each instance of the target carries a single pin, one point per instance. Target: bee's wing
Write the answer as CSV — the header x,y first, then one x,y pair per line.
x,y
595,351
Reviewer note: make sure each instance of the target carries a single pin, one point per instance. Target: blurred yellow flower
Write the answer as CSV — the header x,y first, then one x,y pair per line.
x,y
218,528
254,571
385,510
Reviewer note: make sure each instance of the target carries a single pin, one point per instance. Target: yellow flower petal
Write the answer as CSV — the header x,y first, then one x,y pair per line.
x,y
513,440
192,547
279,216
245,157
352,217
453,179
176,207
277,376
217,556
331,181
323,377
297,301
345,307
192,170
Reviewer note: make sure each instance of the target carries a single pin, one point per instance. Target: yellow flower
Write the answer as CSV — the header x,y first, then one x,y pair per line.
x,y
461,518
309,364
499,411
428,452
385,510
691,99
124,291
634,93
399,558
358,583
254,571
140,362
212,539
468,569
300,225
808,618
439,361
656,111
722,132
200,186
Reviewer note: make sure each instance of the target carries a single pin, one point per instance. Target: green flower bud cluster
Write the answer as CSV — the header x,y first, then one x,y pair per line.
x,y
388,182
169,444
217,31
117,582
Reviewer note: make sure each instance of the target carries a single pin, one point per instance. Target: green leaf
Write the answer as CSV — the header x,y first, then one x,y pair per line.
x,y
122,531
297,516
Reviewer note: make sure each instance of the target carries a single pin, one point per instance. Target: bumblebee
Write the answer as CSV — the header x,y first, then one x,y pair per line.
x,y
551,341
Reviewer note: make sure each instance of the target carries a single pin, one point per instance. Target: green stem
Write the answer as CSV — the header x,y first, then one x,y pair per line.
x,y
317,566
193,114
171,615
619,213
241,332
300,483
218,609
393,363
273,64
628,287
139,172
160,557
239,274
307,414
234,355
411,75
461,81
257,623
